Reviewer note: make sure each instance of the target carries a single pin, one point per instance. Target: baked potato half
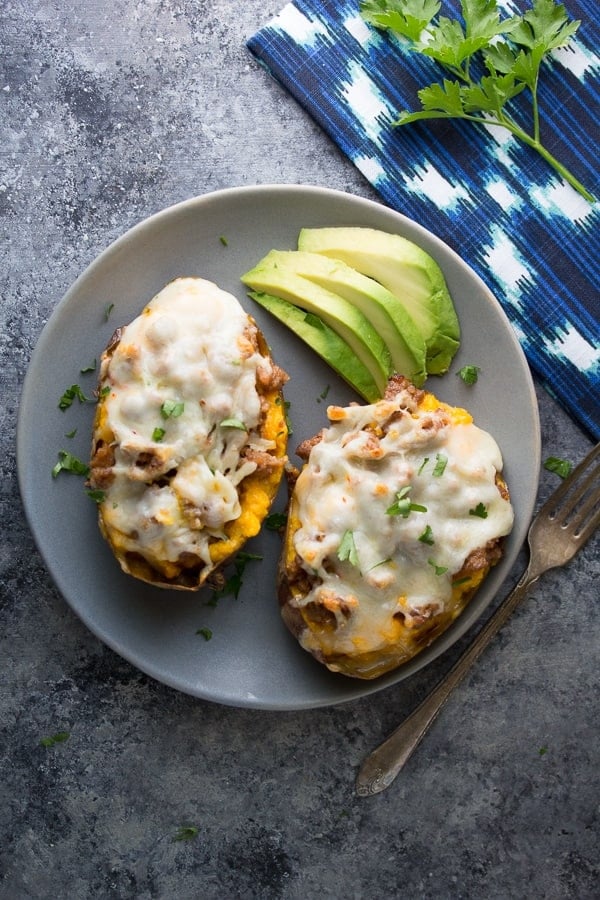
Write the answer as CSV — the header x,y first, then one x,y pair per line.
x,y
394,521
189,438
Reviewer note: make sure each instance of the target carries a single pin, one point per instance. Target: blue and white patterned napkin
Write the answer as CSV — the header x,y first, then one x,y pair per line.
x,y
527,233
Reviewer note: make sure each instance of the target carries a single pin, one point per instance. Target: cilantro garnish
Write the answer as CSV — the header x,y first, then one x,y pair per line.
x,y
347,549
234,582
67,462
512,51
108,311
72,393
441,462
186,833
469,374
288,421
323,394
458,581
480,511
439,570
172,409
96,495
205,632
224,240
275,521
90,368
233,423
402,505
59,738
561,467
427,536
158,434
423,464
71,434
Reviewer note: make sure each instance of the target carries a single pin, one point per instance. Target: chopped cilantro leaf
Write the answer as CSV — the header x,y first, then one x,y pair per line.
x,y
561,467
172,409
72,393
480,511
439,570
402,505
96,496
441,462
71,434
224,240
275,521
69,463
186,833
469,374
59,738
205,632
234,582
288,421
427,536
233,423
347,549
423,464
459,581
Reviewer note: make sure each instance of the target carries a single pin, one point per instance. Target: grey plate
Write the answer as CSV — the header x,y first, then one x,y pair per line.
x,y
251,659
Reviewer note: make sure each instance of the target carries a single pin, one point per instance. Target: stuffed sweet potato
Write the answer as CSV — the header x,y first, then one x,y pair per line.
x,y
189,436
394,521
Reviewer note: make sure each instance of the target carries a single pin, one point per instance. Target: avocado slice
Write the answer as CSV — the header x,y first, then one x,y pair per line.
x,y
347,321
384,311
324,341
404,269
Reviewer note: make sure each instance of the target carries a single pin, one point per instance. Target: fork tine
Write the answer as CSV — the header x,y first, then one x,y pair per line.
x,y
585,492
585,531
554,504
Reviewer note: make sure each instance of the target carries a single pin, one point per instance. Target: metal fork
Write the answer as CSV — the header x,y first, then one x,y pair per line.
x,y
562,526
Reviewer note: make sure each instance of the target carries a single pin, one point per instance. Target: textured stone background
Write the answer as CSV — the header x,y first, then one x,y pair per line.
x,y
111,110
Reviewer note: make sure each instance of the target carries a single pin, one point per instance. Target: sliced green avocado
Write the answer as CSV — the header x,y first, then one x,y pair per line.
x,y
347,321
382,308
324,341
404,269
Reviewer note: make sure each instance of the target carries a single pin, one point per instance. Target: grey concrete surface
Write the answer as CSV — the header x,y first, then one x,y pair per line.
x,y
111,110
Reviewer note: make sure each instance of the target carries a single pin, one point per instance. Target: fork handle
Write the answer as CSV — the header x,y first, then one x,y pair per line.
x,y
381,767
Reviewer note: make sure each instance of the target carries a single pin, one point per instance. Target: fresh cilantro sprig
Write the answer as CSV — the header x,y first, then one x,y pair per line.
x,y
512,51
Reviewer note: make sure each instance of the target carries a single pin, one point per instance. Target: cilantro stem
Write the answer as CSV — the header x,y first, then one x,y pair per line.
x,y
533,142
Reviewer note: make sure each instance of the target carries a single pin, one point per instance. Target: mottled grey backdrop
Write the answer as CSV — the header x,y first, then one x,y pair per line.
x,y
111,110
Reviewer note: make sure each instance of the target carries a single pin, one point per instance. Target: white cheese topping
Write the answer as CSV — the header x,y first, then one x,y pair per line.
x,y
346,495
182,405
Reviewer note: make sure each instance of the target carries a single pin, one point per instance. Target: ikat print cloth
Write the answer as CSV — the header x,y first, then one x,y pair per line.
x,y
530,236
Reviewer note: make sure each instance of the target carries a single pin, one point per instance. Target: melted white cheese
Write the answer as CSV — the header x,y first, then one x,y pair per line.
x,y
188,350
347,487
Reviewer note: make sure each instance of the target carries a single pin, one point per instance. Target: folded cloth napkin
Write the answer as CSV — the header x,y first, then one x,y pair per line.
x,y
529,235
